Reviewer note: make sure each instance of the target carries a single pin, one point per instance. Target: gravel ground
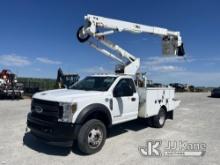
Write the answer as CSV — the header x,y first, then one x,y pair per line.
x,y
197,120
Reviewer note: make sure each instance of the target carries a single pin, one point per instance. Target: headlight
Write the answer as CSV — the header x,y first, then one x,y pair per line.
x,y
68,112
74,108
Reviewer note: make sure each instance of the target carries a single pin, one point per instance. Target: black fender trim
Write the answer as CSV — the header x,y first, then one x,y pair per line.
x,y
170,115
92,109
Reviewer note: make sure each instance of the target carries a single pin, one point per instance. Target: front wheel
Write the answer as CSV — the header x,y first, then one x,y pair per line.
x,y
91,137
160,119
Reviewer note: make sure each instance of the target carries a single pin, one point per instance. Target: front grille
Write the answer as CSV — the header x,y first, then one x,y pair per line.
x,y
51,110
41,128
44,117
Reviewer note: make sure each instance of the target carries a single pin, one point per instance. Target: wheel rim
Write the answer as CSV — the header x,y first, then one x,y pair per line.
x,y
95,138
162,117
83,36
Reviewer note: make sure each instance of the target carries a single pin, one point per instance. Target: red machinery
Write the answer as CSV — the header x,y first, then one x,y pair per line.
x,y
6,75
9,85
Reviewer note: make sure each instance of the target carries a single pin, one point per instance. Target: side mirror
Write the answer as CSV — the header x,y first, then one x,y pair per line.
x,y
117,93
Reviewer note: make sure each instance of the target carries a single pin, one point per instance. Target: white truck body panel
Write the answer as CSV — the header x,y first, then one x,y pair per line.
x,y
82,98
151,99
124,109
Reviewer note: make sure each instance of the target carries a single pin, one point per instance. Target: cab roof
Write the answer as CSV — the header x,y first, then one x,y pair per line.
x,y
111,75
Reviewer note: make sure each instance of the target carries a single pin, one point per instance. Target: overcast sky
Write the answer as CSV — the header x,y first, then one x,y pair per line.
x,y
39,36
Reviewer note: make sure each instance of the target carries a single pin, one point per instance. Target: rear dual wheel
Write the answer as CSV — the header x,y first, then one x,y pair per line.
x,y
159,120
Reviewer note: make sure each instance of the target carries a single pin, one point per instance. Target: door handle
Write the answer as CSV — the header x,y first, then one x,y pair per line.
x,y
133,99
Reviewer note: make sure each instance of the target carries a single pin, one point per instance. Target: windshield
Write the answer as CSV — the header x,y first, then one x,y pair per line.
x,y
94,83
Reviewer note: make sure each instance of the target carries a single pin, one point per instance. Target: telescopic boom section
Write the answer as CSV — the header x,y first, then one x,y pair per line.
x,y
99,27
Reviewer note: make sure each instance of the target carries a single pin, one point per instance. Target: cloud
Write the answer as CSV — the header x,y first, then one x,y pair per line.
x,y
170,70
37,69
188,77
212,59
167,68
14,60
46,60
162,64
164,60
96,70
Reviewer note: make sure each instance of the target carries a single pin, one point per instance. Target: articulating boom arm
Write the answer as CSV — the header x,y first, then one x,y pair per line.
x,y
172,41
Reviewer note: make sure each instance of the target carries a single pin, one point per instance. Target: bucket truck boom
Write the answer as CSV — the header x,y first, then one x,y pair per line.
x,y
94,25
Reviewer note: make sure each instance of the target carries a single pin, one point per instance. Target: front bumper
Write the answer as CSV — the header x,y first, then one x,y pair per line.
x,y
54,133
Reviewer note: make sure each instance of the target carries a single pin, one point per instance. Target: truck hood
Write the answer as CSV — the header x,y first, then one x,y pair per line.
x,y
65,95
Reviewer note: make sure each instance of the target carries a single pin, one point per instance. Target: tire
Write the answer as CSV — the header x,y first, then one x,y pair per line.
x,y
20,96
159,120
13,96
82,38
91,137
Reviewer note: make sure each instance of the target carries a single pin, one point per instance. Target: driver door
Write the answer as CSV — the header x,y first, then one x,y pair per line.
x,y
125,100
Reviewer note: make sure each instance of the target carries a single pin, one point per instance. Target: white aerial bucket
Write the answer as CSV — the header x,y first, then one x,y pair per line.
x,y
170,46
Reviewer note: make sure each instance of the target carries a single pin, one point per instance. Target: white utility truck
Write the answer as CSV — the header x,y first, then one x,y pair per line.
x,y
85,112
